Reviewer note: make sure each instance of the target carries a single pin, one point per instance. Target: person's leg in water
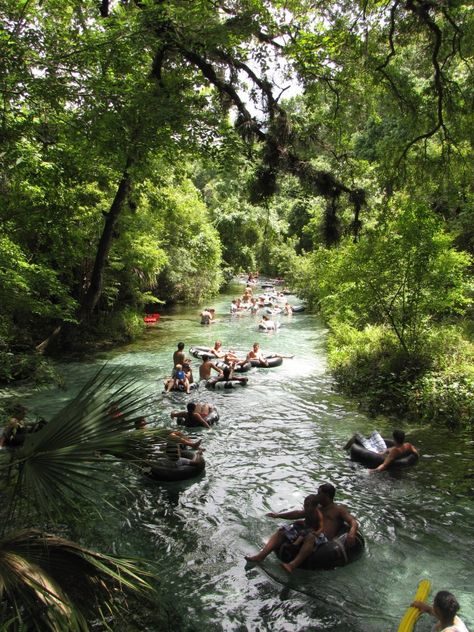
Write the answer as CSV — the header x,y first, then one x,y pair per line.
x,y
197,458
305,551
356,438
169,385
275,541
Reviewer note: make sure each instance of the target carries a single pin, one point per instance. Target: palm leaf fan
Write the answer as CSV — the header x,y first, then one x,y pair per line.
x,y
47,582
64,461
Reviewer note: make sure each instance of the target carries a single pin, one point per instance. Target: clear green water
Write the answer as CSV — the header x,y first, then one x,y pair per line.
x,y
277,440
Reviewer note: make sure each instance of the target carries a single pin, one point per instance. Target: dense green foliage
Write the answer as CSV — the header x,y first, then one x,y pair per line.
x,y
147,152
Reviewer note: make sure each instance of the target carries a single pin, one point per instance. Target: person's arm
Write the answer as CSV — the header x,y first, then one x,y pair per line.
x,y
386,463
352,522
424,607
179,437
216,368
201,420
178,413
287,515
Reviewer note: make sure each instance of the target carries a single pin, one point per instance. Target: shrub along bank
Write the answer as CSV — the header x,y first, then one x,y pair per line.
x,y
397,303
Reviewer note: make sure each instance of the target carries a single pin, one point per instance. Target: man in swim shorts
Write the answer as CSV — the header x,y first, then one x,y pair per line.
x,y
206,367
335,516
256,354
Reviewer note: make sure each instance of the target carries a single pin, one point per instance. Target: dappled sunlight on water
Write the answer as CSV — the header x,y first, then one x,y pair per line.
x,y
278,439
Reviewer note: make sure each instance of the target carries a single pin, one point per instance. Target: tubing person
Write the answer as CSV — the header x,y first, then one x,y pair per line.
x,y
400,448
335,516
194,415
256,354
206,366
312,531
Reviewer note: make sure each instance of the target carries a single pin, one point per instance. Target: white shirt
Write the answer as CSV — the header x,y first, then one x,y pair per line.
x,y
458,626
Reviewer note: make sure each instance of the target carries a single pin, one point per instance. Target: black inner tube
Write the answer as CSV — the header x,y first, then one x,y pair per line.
x,y
374,459
327,556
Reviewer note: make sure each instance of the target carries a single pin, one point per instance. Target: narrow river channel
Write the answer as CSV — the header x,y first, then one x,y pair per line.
x,y
277,440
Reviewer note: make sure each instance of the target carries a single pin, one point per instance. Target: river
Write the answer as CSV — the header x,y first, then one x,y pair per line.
x,y
277,440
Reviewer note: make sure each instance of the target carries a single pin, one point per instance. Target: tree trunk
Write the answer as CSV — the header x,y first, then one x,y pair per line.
x,y
94,290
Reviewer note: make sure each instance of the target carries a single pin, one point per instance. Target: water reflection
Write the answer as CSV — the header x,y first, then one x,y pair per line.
x,y
277,440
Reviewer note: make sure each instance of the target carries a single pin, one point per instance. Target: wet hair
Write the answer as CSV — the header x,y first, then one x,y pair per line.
x,y
218,342
328,489
446,603
256,344
191,406
206,357
140,423
312,517
398,436
311,500
180,345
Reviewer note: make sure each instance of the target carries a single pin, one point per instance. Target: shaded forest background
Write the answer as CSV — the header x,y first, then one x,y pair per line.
x,y
148,153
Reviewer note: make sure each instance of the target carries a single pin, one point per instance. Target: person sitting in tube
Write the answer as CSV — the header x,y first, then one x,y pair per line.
x,y
188,372
194,415
173,449
256,354
267,324
335,516
178,380
227,375
312,529
375,443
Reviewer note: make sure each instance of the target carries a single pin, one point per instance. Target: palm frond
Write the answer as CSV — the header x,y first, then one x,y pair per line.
x,y
49,582
63,462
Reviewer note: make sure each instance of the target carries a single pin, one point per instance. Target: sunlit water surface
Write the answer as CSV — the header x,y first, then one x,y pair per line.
x,y
278,439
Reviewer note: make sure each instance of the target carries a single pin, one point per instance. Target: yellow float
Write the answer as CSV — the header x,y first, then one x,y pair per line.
x,y
411,615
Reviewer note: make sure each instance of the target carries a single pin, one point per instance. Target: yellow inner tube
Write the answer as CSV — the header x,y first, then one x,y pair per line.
x,y
411,615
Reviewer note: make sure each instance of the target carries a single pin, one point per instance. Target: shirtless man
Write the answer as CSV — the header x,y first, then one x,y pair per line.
x,y
335,516
179,357
206,367
398,450
256,354
217,351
